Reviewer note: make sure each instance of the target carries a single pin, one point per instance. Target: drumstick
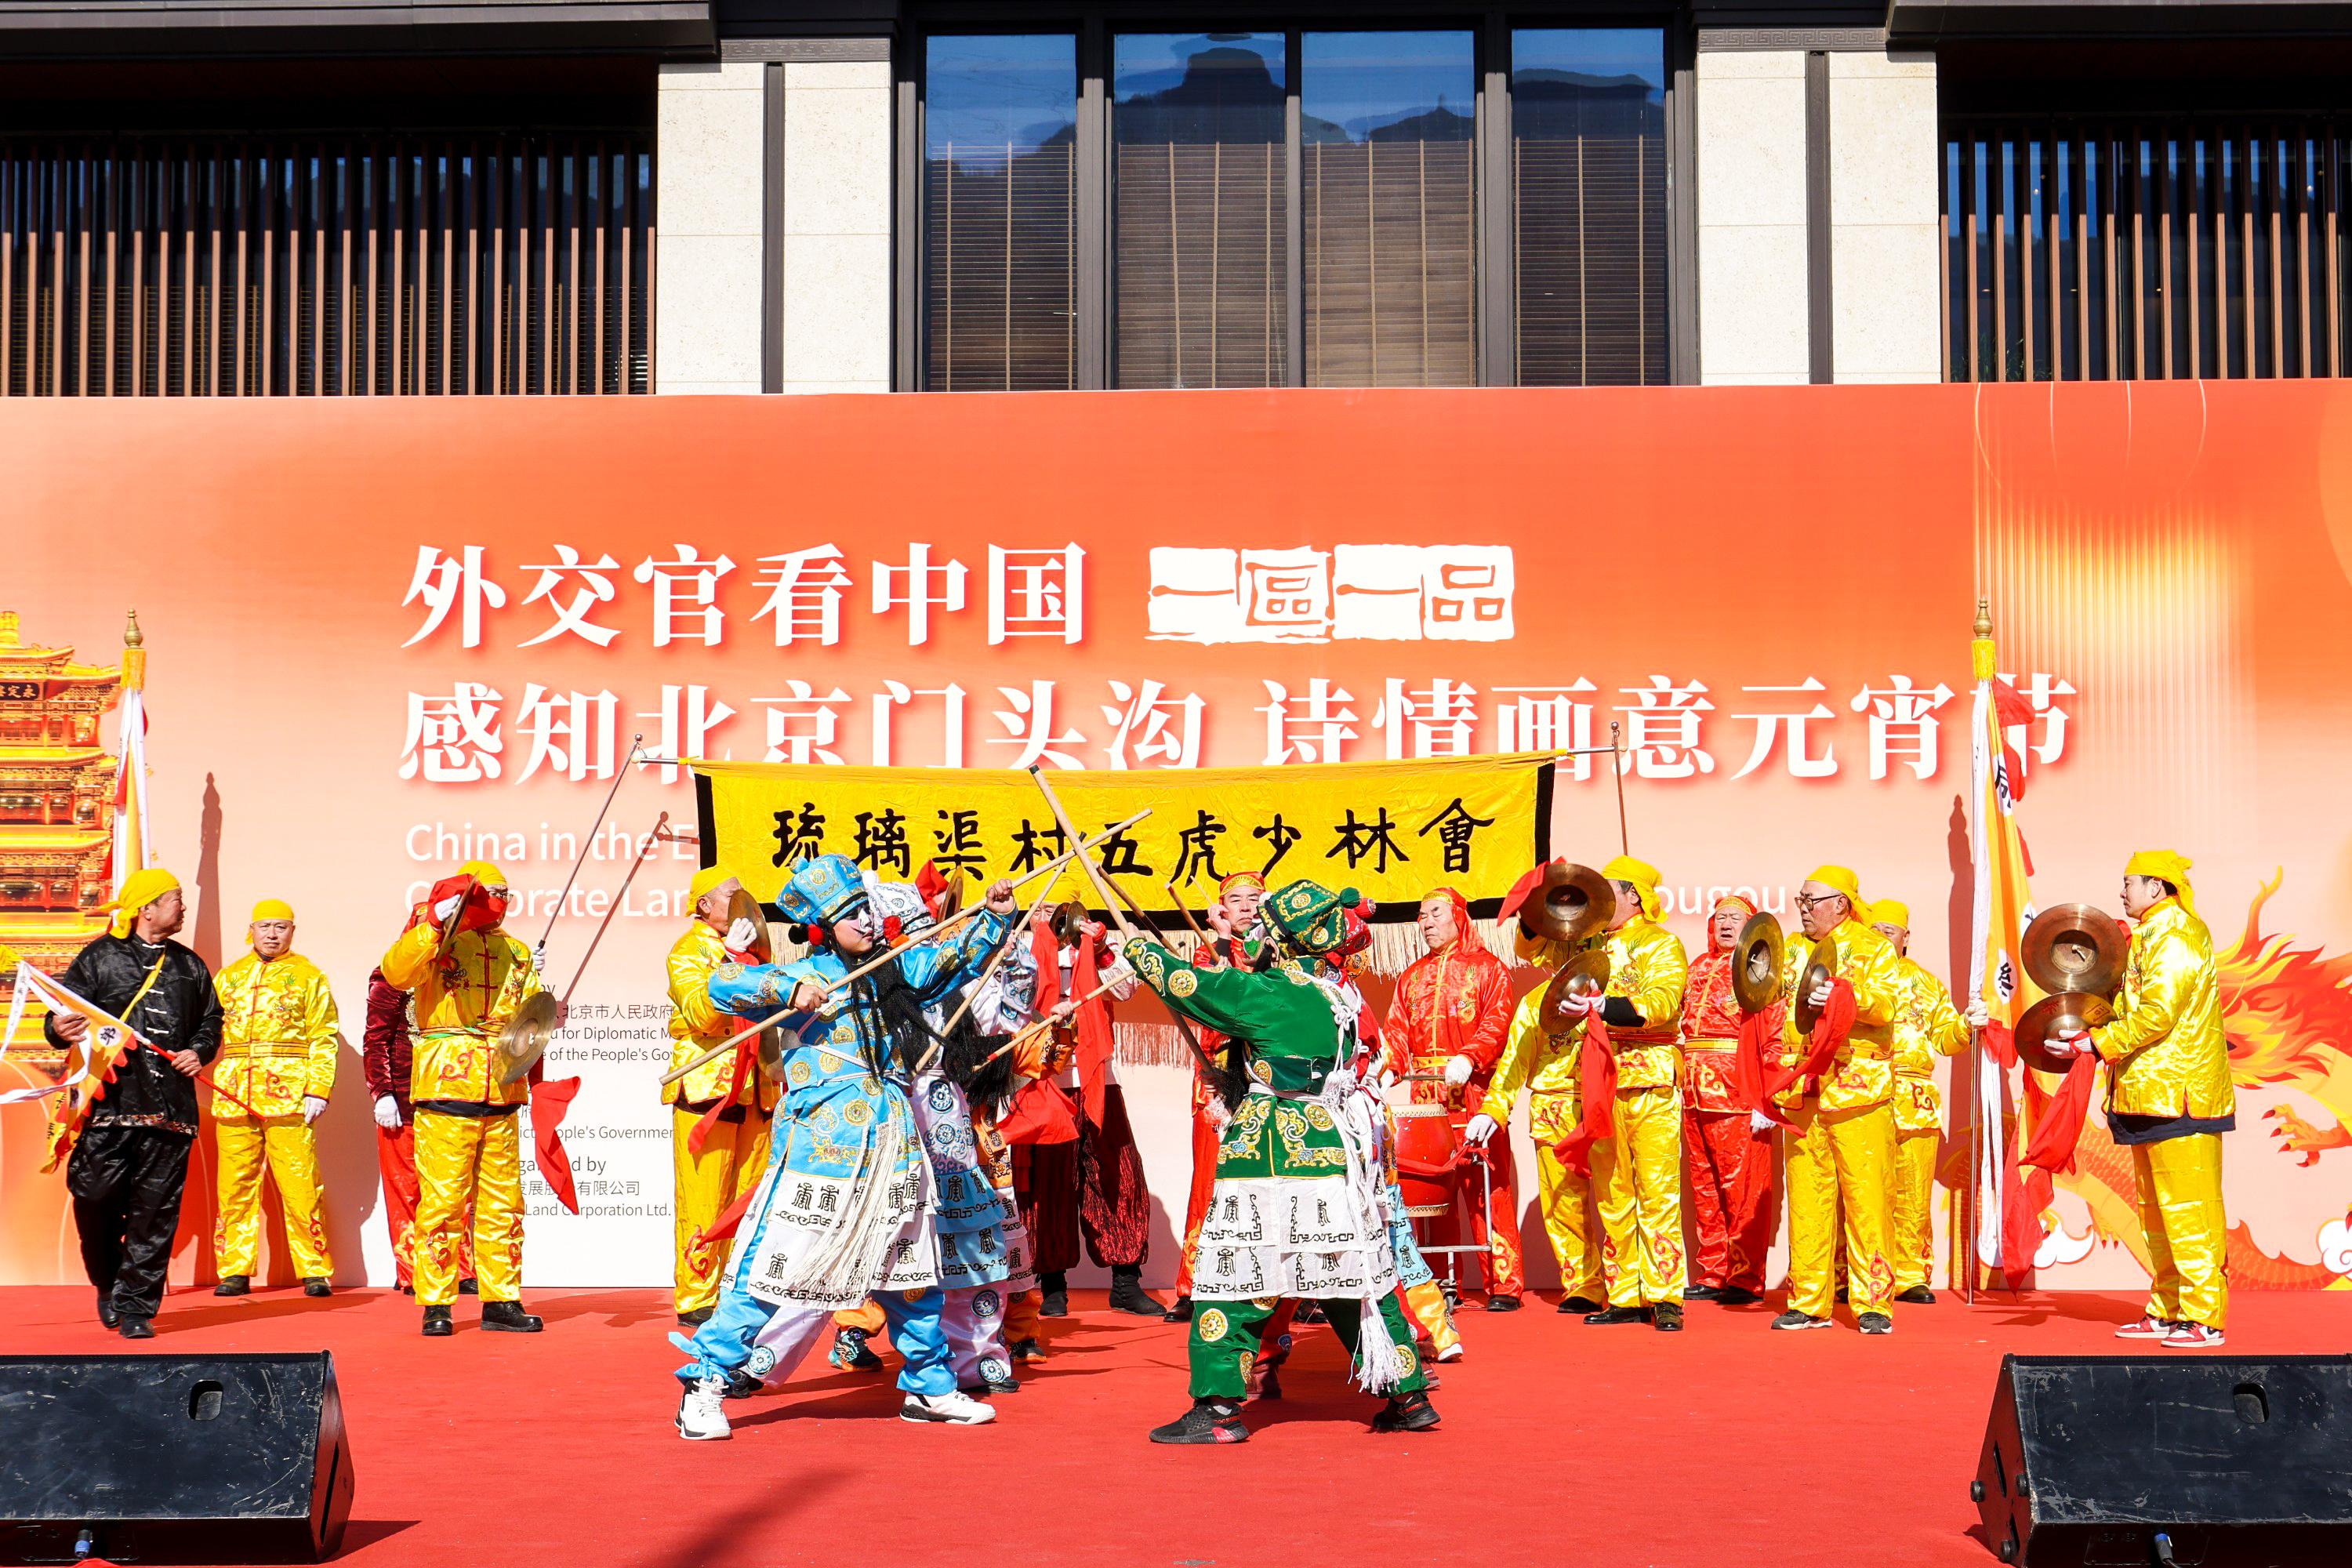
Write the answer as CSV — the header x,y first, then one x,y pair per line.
x,y
891,950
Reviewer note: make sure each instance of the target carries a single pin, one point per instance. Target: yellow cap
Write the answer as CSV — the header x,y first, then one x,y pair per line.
x,y
2165,866
272,910
1642,875
1846,883
709,877
1891,912
485,873
140,889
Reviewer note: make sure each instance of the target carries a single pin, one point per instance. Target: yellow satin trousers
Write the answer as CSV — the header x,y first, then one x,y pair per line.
x,y
1425,1302
732,1160
285,1145
2188,1234
462,1160
1565,1200
1637,1177
1840,1162
1914,1241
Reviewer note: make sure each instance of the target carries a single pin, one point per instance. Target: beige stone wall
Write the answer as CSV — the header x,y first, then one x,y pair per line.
x,y
707,166
1752,311
836,270
1885,218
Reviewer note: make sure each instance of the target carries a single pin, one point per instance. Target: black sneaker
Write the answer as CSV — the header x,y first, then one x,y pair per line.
x,y
1579,1304
1208,1421
1128,1295
1704,1293
469,1286
437,1324
509,1317
1667,1317
695,1318
1735,1296
1028,1353
1795,1320
1841,1296
850,1352
137,1328
1917,1296
742,1384
1406,1413
233,1285
1611,1315
1056,1288
317,1287
1179,1310
989,1386
1874,1323
1502,1303
107,1317
1307,1313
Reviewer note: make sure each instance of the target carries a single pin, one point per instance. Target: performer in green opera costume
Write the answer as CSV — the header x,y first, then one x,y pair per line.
x,y
1298,1209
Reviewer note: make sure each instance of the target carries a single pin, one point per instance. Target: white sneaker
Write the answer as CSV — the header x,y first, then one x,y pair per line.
x,y
2146,1328
1452,1352
702,1417
959,1408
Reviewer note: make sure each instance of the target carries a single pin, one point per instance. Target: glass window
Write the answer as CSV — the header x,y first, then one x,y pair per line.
x,y
1386,184
1589,143
999,126
1199,249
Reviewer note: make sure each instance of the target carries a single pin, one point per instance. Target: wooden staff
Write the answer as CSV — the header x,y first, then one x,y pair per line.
x,y
636,745
660,826
1184,909
891,950
1112,891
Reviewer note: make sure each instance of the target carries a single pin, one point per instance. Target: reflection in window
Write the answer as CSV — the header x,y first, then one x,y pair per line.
x,y
999,127
1387,193
1588,141
1197,130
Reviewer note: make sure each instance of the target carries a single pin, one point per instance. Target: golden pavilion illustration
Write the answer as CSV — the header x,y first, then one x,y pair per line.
x,y
57,806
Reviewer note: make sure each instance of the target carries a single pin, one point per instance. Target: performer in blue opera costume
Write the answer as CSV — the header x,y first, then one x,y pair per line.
x,y
846,1207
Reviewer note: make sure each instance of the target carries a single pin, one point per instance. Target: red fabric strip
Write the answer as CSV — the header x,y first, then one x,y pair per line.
x,y
550,1102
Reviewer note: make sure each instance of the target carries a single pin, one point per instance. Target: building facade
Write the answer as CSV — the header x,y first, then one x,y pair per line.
x,y
356,197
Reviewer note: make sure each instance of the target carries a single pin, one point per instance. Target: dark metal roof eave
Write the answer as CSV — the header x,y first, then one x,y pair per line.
x,y
179,29
1929,22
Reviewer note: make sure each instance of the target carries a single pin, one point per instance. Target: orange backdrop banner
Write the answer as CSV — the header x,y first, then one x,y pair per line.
x,y
384,637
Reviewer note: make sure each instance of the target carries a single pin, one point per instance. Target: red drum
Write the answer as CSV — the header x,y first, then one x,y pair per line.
x,y
1428,1159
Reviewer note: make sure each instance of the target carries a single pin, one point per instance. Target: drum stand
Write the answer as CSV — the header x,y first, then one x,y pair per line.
x,y
1420,1217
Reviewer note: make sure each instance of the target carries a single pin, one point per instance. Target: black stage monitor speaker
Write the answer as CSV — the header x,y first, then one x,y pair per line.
x,y
172,1458
2204,1461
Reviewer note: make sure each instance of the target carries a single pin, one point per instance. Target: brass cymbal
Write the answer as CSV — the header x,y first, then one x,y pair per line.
x,y
742,906
1571,901
457,916
1586,975
1756,963
1822,967
524,1039
2053,1015
2074,947
1068,919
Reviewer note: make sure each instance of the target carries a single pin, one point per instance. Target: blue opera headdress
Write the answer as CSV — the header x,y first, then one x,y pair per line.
x,y
826,890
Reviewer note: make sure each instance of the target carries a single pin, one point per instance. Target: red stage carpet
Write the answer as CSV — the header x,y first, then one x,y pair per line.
x,y
1562,1444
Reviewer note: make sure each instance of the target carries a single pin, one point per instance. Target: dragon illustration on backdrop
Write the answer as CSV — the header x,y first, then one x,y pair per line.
x,y
2288,1013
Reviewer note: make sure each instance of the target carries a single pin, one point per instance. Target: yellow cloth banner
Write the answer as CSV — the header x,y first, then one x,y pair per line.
x,y
1391,830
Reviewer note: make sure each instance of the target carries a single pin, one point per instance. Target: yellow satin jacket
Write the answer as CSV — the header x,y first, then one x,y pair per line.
x,y
278,1034
1544,1064
696,1024
2165,1052
1863,1072
1927,1026
463,998
1648,968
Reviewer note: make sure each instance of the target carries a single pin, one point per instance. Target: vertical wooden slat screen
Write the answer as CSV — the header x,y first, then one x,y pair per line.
x,y
2143,249
1589,208
1003,238
317,266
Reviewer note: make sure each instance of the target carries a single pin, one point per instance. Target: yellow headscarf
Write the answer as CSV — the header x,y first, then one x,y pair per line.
x,y
1846,884
140,889
485,873
1891,912
1642,875
709,877
2165,866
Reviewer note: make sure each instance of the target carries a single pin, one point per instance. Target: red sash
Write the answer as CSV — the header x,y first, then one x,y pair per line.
x,y
1597,1070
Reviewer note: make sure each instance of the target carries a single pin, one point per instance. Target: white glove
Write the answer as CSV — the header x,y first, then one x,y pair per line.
x,y
1580,1004
1458,1070
313,1109
387,1113
743,934
1482,1127
1759,1122
539,960
446,907
2077,1044
1821,996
